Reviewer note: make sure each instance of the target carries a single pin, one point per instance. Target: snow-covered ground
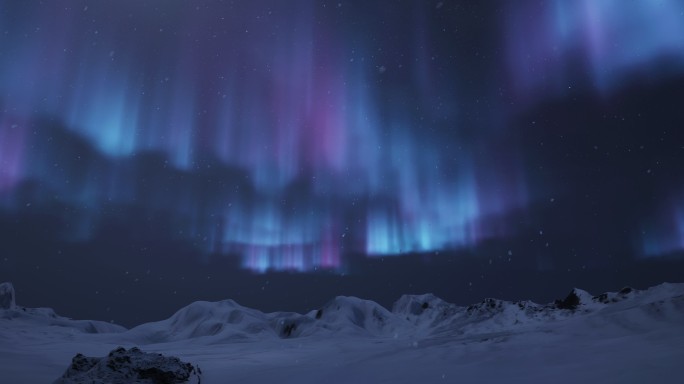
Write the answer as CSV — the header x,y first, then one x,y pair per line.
x,y
625,337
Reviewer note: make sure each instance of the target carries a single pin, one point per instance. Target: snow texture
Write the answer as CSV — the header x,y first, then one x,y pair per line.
x,y
630,336
32,317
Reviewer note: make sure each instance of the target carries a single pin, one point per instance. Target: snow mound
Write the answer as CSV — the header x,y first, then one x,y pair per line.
x,y
7,296
354,315
426,312
615,297
46,316
290,325
222,320
418,305
129,366
228,321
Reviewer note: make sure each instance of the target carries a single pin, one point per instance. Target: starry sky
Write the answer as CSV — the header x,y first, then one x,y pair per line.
x,y
153,153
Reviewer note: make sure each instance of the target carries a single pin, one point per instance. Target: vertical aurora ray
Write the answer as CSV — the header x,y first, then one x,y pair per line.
x,y
666,234
253,130
613,38
107,113
12,151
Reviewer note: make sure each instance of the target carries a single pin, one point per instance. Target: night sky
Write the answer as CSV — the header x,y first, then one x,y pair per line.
x,y
279,153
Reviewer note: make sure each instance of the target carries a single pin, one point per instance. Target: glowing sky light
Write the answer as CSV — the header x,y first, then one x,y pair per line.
x,y
283,133
551,42
12,147
665,235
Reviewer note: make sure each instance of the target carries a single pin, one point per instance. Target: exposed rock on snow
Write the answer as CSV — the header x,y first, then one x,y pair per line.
x,y
354,314
411,315
612,297
423,339
571,302
418,305
7,296
123,366
292,325
425,311
415,315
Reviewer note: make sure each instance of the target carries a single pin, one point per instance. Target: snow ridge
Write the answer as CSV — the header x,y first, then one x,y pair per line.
x,y
47,316
416,315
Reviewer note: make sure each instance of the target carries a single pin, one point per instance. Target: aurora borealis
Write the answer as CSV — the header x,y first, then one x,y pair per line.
x,y
293,135
299,107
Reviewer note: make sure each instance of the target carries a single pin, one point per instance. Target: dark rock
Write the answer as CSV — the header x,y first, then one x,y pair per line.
x,y
570,302
129,366
626,290
602,298
81,363
288,329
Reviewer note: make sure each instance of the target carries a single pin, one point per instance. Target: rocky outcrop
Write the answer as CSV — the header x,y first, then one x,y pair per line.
x,y
129,366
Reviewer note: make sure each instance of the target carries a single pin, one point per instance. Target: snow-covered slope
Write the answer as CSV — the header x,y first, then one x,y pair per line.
x,y
351,315
47,317
21,317
220,321
628,336
226,321
415,315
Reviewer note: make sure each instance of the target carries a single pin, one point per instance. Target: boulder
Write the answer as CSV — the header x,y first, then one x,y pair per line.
x,y
129,366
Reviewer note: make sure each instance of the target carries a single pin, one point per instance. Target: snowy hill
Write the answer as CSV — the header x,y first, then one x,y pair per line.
x,y
415,315
21,317
228,321
354,316
629,336
222,321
